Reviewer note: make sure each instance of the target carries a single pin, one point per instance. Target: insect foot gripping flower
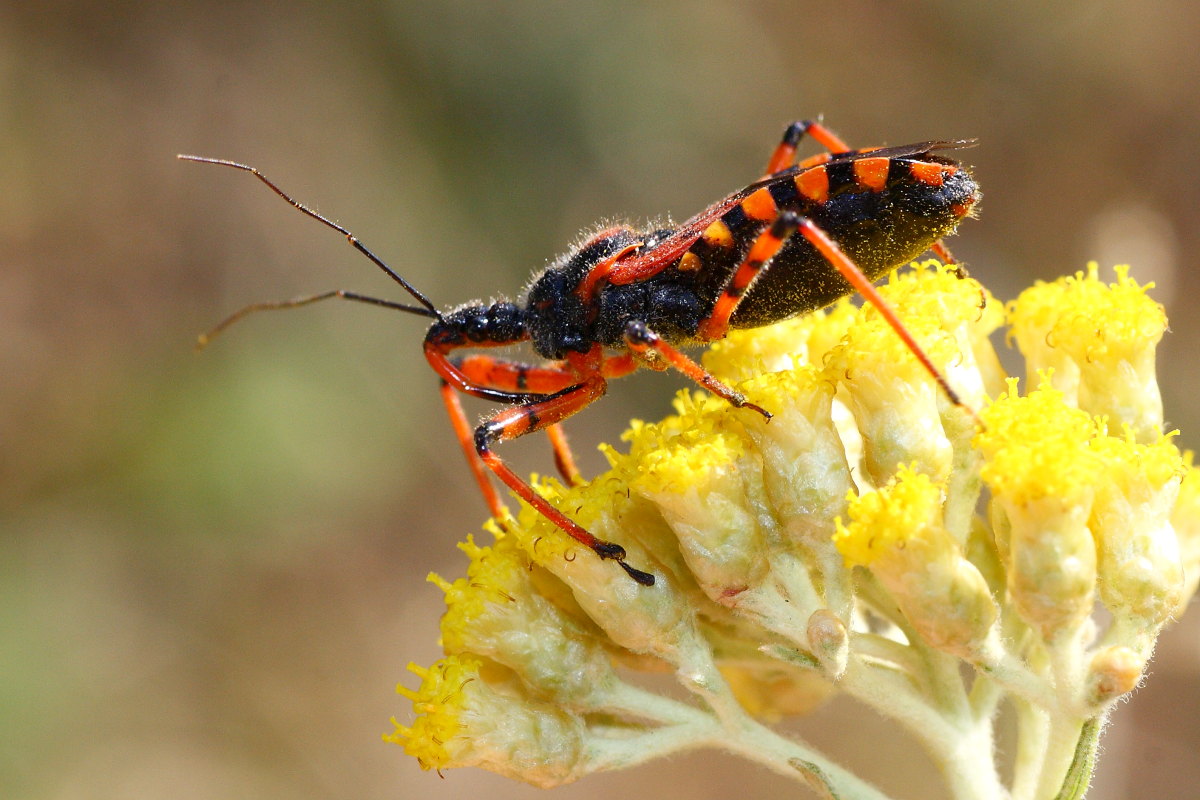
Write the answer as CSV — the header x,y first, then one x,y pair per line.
x,y
872,539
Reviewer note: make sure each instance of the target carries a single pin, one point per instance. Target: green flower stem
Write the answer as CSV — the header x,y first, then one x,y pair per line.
x,y
618,749
786,757
729,728
741,734
967,765
964,484
985,696
959,742
889,687
1068,669
1062,743
1079,774
997,663
946,684
1033,728
633,701
894,695
885,653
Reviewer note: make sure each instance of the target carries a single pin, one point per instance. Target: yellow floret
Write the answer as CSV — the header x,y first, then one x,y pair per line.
x,y
687,461
1100,340
493,576
1185,518
439,704
788,344
1037,446
898,534
1130,466
935,290
885,520
1089,319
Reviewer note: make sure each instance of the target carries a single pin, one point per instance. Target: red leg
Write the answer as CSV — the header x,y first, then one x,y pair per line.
x,y
465,434
514,376
765,247
785,153
564,459
544,379
517,421
437,354
539,379
511,382
850,271
941,251
643,341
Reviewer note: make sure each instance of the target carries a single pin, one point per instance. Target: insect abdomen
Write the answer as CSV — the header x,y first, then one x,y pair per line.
x,y
883,212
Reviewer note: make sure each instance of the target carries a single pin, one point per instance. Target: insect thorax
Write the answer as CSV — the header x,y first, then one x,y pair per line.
x,y
561,321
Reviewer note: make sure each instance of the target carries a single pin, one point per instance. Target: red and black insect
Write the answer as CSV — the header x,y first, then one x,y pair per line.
x,y
796,240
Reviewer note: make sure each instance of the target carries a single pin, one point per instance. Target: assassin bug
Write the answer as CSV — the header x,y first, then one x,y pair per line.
x,y
804,235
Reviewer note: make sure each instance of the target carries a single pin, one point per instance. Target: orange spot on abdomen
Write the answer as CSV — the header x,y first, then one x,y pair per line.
x,y
760,205
872,172
814,184
718,235
930,173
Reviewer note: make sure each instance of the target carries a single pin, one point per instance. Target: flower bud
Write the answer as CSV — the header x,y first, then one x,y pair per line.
x,y
464,720
495,612
805,468
895,402
1185,518
1042,473
1114,671
897,533
653,620
699,484
1140,568
1100,341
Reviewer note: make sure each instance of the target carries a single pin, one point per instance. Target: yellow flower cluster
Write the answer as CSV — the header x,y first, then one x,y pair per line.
x,y
840,547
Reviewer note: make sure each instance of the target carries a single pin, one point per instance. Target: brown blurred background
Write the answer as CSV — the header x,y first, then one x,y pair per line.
x,y
212,567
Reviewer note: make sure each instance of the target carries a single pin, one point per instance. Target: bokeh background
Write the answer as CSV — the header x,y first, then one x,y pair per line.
x,y
212,567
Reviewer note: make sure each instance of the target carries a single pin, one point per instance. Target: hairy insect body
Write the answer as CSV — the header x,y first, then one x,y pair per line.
x,y
879,227
796,240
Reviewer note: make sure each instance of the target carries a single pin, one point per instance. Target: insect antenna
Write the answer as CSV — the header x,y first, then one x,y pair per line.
x,y
203,339
428,309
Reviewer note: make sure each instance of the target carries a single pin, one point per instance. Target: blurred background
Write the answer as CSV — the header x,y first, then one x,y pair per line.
x,y
212,566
